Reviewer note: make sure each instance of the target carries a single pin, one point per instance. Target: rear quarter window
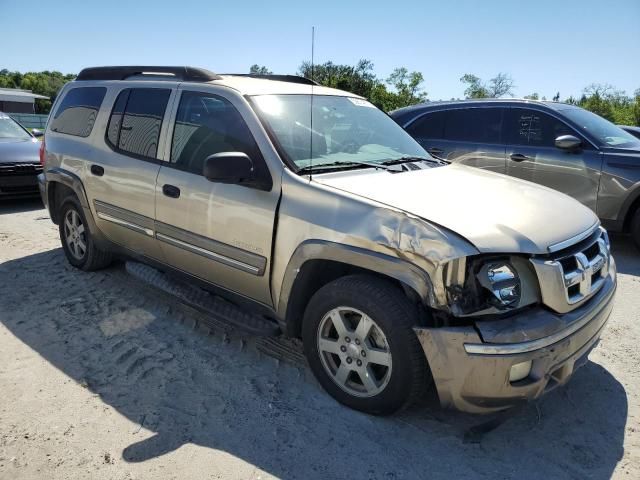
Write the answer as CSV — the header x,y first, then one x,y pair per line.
x,y
78,110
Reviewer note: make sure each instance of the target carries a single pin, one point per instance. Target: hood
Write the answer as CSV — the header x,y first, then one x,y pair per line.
x,y
494,212
12,150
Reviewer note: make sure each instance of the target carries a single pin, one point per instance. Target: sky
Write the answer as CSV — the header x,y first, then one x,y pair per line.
x,y
546,46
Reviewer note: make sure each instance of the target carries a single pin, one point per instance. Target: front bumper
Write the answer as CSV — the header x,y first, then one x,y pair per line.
x,y
18,185
472,375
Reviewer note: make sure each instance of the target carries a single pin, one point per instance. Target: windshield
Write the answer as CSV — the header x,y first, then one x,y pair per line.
x,y
603,130
10,129
344,130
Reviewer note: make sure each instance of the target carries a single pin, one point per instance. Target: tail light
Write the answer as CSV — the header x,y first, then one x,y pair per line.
x,y
42,152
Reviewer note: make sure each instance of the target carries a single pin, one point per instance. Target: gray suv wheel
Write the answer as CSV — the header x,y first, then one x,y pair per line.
x,y
77,242
360,344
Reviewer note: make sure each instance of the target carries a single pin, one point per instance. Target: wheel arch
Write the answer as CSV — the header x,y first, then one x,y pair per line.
x,y
60,184
630,206
316,263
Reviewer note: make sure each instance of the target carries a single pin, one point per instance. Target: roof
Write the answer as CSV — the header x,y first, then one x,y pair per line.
x,y
246,84
263,86
17,95
480,102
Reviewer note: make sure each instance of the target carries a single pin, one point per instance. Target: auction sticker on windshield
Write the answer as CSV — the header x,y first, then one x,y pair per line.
x,y
361,102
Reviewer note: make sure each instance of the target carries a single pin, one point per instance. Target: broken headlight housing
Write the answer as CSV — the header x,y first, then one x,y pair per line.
x,y
490,285
503,283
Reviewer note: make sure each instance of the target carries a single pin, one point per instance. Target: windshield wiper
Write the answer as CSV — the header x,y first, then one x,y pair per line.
x,y
409,159
322,166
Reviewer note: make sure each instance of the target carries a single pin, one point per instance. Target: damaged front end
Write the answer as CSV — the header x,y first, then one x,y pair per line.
x,y
498,340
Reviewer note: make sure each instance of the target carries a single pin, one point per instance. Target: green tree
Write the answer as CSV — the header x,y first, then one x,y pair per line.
x,y
408,87
498,86
532,96
475,87
635,109
405,88
256,69
43,83
358,79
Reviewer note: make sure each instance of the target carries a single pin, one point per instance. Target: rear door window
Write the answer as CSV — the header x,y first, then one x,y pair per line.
x,y
531,127
136,119
479,125
429,126
78,110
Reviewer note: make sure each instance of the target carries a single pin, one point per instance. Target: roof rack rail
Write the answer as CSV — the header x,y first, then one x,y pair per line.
x,y
187,74
278,78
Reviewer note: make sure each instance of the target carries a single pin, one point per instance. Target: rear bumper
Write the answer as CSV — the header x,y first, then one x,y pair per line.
x,y
473,375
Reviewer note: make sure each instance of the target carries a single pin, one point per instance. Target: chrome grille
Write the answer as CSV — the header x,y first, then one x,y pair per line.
x,y
20,168
572,275
585,271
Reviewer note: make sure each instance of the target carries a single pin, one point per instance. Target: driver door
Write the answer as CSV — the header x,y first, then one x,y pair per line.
x,y
221,233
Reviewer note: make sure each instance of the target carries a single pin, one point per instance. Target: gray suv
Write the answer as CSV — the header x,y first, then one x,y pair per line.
x,y
561,146
314,215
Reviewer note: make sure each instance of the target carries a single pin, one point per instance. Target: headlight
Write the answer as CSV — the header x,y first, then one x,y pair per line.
x,y
486,285
503,283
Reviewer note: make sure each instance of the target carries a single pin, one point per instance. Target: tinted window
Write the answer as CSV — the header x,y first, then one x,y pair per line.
x,y
482,125
430,125
78,110
530,127
136,118
606,133
208,124
115,120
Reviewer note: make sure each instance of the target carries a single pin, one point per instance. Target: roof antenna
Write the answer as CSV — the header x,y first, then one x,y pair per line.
x,y
313,37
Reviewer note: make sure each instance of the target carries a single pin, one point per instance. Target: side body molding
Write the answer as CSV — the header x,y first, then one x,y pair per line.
x,y
396,268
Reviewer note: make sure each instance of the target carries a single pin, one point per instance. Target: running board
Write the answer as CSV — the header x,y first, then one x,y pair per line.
x,y
203,301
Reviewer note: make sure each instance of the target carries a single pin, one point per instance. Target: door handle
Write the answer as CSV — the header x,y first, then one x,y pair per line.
x,y
171,191
97,170
518,157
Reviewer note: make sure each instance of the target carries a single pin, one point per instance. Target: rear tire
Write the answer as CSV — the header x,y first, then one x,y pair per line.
x,y
635,228
360,344
77,242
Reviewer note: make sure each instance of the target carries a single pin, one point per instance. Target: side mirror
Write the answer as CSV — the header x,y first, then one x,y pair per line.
x,y
229,167
568,142
37,133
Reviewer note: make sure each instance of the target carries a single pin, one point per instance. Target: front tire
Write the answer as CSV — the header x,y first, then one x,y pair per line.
x,y
77,242
360,344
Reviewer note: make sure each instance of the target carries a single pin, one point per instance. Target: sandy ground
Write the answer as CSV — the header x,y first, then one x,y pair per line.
x,y
103,377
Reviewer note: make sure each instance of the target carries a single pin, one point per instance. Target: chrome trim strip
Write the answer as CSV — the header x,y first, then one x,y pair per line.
x,y
208,253
524,347
124,223
573,240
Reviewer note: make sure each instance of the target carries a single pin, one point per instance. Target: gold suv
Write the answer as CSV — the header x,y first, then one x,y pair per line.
x,y
316,216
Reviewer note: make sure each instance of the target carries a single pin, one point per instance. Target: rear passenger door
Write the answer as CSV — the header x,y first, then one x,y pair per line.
x,y
221,233
470,136
122,174
532,155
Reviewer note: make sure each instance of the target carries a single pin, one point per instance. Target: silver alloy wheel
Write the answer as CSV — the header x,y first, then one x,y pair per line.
x,y
74,234
354,352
